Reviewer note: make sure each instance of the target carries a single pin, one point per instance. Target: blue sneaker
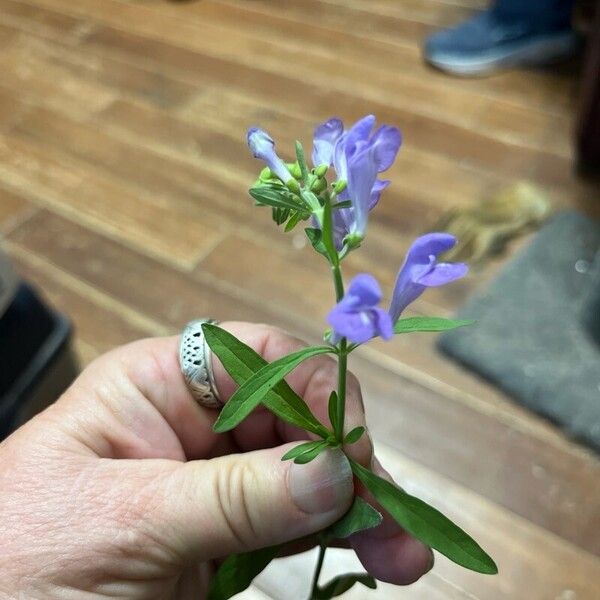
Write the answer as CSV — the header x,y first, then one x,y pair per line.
x,y
486,43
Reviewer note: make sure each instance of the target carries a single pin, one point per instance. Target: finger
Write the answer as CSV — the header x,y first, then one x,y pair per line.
x,y
239,502
388,552
313,380
133,403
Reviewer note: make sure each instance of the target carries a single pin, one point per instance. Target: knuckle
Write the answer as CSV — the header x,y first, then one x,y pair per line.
x,y
234,484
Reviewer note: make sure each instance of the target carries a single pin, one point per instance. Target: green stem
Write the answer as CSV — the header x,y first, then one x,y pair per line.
x,y
341,404
342,359
315,583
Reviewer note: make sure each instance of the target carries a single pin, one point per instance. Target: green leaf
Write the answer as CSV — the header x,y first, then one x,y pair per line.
x,y
311,453
341,584
311,200
328,233
315,237
241,362
300,449
249,395
411,324
280,215
343,204
359,517
294,220
276,196
426,523
353,436
302,161
237,572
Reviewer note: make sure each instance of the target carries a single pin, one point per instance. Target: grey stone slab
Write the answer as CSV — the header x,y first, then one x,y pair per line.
x,y
537,334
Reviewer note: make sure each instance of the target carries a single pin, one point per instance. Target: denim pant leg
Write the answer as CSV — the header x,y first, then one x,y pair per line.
x,y
541,15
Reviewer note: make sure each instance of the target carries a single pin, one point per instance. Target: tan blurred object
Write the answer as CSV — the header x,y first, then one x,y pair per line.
x,y
484,229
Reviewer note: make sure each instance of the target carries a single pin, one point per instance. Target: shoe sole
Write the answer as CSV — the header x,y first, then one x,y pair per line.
x,y
544,51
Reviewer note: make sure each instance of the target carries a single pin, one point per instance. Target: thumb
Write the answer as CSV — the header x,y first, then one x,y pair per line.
x,y
241,502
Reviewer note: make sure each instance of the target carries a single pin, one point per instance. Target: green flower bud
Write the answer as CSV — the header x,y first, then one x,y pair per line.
x,y
293,186
353,240
339,186
266,174
294,169
318,186
321,170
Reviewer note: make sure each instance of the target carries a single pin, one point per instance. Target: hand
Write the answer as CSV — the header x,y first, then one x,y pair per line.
x,y
122,490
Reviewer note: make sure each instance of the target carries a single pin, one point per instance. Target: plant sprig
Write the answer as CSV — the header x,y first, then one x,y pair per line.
x,y
337,212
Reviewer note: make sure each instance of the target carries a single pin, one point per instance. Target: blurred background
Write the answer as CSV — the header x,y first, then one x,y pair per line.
x,y
123,178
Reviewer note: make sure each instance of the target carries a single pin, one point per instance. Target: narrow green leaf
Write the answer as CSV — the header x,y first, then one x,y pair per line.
x,y
311,453
301,449
280,215
340,585
328,233
276,196
332,409
353,436
250,394
241,362
343,204
426,523
302,161
411,324
359,517
311,200
294,220
237,572
315,237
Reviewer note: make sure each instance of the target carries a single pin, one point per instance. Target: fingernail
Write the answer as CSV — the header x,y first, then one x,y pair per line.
x,y
323,484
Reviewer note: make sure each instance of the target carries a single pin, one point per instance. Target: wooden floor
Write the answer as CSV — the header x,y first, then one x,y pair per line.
x,y
123,172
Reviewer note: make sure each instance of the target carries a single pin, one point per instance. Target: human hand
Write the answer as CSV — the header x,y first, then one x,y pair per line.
x,y
122,490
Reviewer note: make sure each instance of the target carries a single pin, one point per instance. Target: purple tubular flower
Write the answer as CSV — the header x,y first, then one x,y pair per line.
x,y
262,146
358,156
356,316
325,137
421,270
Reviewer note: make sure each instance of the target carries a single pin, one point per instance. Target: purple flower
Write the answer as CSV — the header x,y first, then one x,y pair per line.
x,y
421,270
356,316
358,156
324,140
262,146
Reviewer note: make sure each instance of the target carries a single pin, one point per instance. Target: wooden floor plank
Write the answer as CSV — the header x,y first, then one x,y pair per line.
x,y
142,219
13,210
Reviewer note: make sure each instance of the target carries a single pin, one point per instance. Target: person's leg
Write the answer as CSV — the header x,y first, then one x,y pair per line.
x,y
510,33
543,15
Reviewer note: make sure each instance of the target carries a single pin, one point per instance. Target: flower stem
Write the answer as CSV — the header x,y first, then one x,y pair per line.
x,y
315,582
341,405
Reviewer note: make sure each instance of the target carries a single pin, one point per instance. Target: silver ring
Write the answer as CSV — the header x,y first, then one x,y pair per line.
x,y
196,364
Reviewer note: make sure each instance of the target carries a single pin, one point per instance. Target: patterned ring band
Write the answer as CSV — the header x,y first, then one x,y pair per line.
x,y
196,364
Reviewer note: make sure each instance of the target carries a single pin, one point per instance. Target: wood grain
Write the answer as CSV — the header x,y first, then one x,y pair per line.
x,y
123,177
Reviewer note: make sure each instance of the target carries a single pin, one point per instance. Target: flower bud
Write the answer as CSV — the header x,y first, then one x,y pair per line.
x,y
339,186
321,170
294,169
293,186
353,240
266,174
318,186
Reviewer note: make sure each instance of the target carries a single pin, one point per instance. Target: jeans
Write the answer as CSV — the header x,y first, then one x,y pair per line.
x,y
541,15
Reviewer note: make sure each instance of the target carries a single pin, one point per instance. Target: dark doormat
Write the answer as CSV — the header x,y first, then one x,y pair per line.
x,y
537,334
